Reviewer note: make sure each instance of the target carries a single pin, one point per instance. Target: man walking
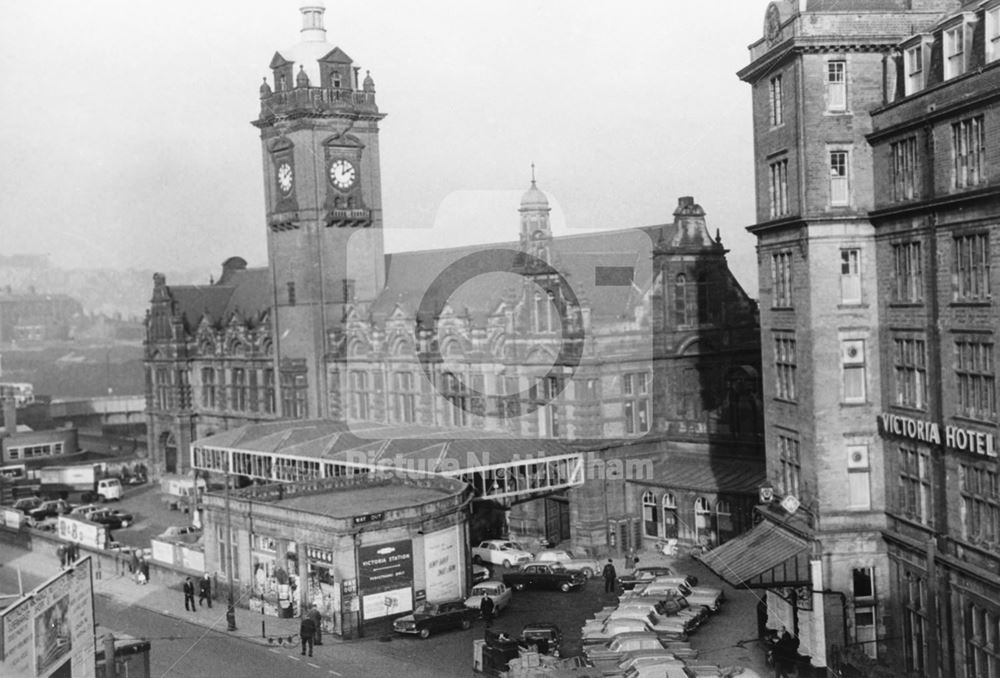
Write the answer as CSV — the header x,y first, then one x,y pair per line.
x,y
486,608
189,595
307,631
205,591
317,619
609,575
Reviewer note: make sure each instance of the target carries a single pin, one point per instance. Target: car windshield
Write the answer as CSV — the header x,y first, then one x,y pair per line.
x,y
425,608
485,591
508,546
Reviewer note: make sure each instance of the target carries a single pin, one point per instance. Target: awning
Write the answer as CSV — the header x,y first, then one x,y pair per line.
x,y
766,556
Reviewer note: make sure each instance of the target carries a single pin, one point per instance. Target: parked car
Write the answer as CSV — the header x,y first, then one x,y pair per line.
x,y
642,575
545,636
670,586
480,573
496,591
85,510
50,509
666,605
670,626
179,532
431,618
544,576
587,566
113,518
27,504
615,649
597,631
500,552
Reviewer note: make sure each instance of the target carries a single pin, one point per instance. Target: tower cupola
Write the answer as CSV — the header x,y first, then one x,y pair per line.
x,y
312,22
536,233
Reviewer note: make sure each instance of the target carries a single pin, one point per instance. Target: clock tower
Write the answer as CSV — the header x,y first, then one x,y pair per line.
x,y
319,139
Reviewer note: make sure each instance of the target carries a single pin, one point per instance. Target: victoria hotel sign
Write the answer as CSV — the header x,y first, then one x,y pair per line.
x,y
953,437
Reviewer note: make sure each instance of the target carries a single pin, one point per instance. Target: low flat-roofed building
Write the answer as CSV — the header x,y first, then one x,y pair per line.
x,y
360,547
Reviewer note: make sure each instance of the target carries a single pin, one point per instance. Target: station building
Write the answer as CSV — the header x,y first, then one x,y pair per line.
x,y
359,547
598,341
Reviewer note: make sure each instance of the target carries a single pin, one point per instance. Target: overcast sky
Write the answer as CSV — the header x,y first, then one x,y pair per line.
x,y
124,124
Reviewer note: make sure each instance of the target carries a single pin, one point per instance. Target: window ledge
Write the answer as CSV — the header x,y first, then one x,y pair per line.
x,y
860,403
906,304
786,400
972,303
850,305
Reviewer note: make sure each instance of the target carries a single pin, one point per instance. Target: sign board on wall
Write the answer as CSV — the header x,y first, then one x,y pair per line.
x,y
385,573
83,532
50,632
442,565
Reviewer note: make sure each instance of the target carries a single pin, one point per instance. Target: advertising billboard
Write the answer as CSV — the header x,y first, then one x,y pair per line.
x,y
49,633
385,578
83,532
442,565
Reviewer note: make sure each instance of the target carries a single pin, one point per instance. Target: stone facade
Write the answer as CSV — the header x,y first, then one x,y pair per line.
x,y
816,74
938,246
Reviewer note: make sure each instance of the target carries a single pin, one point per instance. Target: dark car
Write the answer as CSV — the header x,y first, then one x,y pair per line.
x,y
543,635
50,509
641,575
113,518
430,618
544,576
27,504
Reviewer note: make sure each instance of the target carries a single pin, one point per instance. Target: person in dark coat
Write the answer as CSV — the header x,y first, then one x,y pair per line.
x,y
133,564
144,570
317,618
205,590
785,654
189,595
307,631
486,608
609,575
61,552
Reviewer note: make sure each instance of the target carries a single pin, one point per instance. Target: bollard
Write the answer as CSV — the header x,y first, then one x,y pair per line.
x,y
262,633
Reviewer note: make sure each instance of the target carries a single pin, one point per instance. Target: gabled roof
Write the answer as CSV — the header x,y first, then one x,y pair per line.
x,y
246,292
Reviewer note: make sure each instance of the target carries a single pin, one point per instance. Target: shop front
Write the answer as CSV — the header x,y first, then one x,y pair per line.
x,y
359,548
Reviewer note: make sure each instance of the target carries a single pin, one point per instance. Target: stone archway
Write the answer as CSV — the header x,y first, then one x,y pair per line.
x,y
168,447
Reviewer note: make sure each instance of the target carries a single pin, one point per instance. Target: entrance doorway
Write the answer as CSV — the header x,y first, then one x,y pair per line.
x,y
169,446
556,519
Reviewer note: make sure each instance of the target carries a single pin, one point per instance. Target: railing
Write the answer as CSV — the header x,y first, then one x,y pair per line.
x,y
316,97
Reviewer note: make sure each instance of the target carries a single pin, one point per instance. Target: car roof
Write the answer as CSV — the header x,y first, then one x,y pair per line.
x,y
488,583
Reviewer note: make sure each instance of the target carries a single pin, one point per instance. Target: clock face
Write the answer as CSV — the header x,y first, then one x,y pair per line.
x,y
285,177
342,174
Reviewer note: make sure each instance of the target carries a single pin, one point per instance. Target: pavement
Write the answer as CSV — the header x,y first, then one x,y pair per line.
x,y
121,588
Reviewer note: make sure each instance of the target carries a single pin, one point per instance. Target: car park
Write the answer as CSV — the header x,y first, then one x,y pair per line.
x,y
587,566
430,618
500,552
544,576
496,591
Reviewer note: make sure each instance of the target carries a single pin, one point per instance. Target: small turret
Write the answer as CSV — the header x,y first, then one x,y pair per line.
x,y
265,89
369,84
302,80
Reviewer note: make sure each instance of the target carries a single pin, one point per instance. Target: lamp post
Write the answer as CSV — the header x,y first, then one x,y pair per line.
x,y
230,606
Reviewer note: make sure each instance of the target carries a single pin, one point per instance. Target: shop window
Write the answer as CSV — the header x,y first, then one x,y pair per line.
x,y
650,519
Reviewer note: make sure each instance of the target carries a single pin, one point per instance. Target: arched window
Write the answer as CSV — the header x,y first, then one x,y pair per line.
x,y
702,519
669,503
650,516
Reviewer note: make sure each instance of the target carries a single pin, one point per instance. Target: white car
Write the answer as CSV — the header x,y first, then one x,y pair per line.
x,y
708,596
500,552
496,591
588,566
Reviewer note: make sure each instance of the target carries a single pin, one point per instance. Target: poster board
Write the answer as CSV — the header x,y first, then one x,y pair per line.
x,y
385,578
443,565
50,631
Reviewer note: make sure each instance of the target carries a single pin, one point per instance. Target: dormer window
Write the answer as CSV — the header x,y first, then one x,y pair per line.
x,y
954,51
914,64
993,34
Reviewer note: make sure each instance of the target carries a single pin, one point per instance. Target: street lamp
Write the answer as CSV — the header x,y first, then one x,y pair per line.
x,y
230,607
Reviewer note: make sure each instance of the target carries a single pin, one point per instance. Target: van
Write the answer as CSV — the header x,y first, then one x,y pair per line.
x,y
109,488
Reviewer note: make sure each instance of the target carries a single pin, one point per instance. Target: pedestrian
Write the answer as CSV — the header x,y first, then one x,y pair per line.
x,y
205,590
144,571
74,553
486,609
61,552
317,618
307,631
609,575
785,654
189,595
133,564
